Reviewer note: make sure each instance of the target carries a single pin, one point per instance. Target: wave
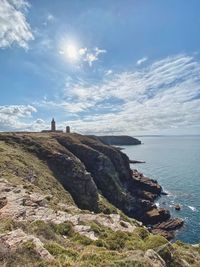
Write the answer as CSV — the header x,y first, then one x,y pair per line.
x,y
157,204
169,194
192,208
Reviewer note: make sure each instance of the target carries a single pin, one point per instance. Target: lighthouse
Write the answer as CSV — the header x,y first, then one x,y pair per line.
x,y
53,125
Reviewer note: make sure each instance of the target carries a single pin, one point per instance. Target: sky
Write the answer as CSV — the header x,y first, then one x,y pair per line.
x,y
103,67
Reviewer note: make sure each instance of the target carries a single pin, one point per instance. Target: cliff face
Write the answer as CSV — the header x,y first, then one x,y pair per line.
x,y
87,168
60,200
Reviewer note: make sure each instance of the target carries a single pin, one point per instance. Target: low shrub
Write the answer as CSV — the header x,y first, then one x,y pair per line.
x,y
40,228
65,228
154,241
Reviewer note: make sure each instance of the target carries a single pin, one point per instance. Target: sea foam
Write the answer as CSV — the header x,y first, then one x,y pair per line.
x,y
192,208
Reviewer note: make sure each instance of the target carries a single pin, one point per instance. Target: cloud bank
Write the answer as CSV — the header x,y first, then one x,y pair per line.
x,y
11,117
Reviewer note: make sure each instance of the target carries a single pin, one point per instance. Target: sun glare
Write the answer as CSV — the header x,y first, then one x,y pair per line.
x,y
72,52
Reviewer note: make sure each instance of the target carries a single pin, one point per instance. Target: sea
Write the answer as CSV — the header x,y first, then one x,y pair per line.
x,y
174,161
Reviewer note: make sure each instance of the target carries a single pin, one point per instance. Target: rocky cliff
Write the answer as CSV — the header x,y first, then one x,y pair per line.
x,y
63,196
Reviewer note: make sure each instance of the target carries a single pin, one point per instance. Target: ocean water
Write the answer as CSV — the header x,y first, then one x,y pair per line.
x,y
174,162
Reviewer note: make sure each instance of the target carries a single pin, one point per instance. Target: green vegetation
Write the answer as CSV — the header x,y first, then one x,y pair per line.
x,y
64,229
20,167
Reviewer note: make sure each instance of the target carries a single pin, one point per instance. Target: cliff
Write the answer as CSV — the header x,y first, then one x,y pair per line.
x,y
71,200
120,140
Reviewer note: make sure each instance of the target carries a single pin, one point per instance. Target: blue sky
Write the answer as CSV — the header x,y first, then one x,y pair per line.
x,y
102,67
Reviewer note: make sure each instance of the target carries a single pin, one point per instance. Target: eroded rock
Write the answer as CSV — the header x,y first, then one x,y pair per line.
x,y
30,207
14,239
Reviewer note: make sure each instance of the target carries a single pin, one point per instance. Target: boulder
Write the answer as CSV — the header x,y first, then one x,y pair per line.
x,y
177,207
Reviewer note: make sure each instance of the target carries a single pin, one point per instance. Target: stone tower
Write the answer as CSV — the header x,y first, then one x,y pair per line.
x,y
67,129
53,125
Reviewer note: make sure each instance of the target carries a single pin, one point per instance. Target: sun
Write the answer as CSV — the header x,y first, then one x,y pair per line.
x,y
72,52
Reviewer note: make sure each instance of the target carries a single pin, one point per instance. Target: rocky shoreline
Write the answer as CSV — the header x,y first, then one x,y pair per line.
x,y
158,219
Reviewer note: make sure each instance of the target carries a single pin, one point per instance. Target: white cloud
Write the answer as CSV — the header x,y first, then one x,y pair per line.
x,y
91,56
12,116
73,107
108,72
17,111
142,60
78,55
163,95
14,28
82,51
20,4
49,19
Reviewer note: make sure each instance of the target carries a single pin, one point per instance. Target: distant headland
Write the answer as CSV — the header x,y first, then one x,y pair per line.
x,y
116,140
119,140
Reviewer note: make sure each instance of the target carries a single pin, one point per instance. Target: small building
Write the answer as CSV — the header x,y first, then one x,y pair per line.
x,y
67,129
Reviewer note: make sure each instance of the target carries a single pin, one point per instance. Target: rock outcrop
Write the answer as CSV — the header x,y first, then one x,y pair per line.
x,y
22,205
16,238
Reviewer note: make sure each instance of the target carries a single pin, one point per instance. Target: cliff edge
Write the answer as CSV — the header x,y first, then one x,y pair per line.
x,y
64,196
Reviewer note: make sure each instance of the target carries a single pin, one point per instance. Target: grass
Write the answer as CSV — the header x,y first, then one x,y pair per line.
x,y
18,166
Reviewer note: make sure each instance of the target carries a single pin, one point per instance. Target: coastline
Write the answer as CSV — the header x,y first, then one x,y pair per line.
x,y
174,162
